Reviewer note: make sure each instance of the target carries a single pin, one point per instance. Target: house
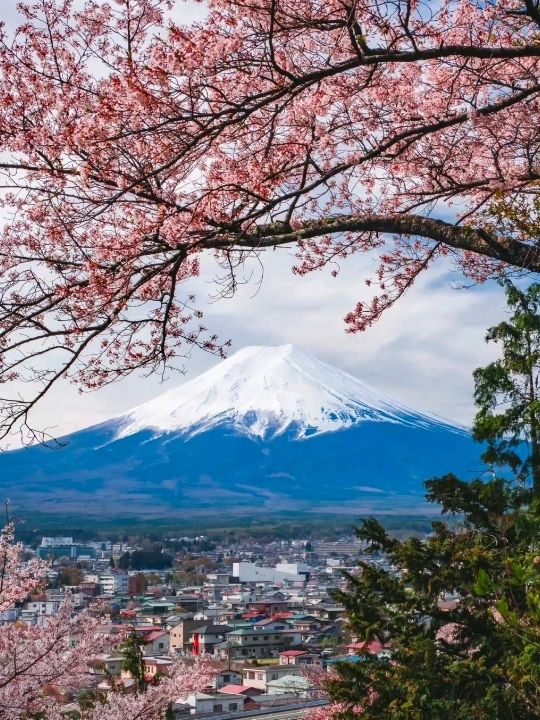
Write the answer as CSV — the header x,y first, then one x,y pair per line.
x,y
260,676
245,690
226,678
329,611
188,602
250,694
155,666
156,642
89,589
180,635
142,630
157,608
270,624
305,623
105,666
205,703
244,643
205,638
210,613
304,658
290,685
268,607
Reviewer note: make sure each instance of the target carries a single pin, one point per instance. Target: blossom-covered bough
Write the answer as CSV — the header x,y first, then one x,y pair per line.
x,y
39,663
131,145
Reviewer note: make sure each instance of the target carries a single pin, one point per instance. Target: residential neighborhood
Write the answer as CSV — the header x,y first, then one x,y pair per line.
x,y
264,614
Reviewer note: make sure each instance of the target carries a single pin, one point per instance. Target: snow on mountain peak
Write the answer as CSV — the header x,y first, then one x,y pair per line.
x,y
263,391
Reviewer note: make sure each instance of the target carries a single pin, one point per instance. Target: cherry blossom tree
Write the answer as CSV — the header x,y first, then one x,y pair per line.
x,y
39,662
132,145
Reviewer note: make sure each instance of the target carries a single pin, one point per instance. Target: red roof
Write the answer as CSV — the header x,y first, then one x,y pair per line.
x,y
239,690
371,647
143,629
293,653
282,615
154,635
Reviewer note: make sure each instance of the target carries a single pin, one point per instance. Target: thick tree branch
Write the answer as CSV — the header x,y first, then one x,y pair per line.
x,y
477,240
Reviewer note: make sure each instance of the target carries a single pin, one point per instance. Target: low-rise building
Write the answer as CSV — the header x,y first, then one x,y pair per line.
x,y
205,703
295,685
205,638
302,658
57,547
114,582
156,642
180,635
247,643
227,677
260,676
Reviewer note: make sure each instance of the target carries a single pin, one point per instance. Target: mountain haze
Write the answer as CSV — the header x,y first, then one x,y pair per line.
x,y
269,429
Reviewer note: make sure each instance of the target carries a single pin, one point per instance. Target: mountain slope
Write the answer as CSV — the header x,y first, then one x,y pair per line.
x,y
263,391
268,429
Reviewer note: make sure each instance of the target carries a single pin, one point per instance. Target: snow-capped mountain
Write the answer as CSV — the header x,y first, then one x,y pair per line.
x,y
264,391
269,429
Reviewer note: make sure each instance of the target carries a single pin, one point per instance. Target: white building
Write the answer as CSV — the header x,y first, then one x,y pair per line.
x,y
45,607
289,685
114,582
247,572
259,676
205,703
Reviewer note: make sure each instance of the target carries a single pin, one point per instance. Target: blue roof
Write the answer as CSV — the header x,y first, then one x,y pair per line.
x,y
345,658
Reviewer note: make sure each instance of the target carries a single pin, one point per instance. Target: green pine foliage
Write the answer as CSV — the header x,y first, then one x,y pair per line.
x,y
460,611
507,391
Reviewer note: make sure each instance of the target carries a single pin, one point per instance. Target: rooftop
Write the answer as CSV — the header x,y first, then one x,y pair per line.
x,y
239,690
293,653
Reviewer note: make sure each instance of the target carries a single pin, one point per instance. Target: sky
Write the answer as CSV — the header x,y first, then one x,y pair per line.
x,y
423,351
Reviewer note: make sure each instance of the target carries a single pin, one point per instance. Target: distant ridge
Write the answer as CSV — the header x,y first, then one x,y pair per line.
x,y
271,429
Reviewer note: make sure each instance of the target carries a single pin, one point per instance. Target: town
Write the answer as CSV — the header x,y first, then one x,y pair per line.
x,y
264,613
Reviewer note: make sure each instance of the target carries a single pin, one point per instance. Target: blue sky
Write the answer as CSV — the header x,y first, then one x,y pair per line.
x,y
423,351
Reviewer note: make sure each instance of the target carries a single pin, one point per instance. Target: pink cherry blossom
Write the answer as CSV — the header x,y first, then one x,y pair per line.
x,y
132,145
39,663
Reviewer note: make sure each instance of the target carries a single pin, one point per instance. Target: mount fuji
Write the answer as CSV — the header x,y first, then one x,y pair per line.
x,y
271,428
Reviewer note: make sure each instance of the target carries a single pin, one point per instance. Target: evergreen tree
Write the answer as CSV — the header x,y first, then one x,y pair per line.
x,y
133,660
507,391
460,612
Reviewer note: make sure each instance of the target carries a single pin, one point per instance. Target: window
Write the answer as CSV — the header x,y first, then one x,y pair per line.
x,y
266,637
274,676
227,678
160,646
218,707
233,707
